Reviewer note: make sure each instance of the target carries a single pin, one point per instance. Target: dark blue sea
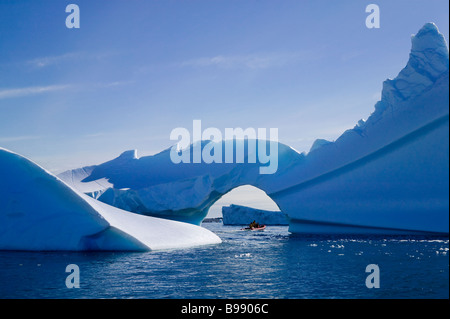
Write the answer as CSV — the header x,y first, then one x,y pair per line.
x,y
248,264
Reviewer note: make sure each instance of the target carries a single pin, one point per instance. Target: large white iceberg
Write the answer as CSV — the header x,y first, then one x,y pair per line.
x,y
38,211
389,174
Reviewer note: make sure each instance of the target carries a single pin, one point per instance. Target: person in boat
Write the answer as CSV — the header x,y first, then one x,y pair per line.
x,y
254,225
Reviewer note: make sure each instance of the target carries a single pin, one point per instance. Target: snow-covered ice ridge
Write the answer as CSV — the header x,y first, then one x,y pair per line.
x,y
389,174
243,215
40,212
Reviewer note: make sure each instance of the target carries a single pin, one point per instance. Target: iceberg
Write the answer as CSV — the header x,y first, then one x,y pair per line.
x,y
387,175
38,211
243,215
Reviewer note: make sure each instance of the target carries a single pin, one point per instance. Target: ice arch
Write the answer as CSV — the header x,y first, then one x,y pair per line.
x,y
398,186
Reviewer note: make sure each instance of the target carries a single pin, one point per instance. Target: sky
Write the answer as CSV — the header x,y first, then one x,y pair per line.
x,y
135,70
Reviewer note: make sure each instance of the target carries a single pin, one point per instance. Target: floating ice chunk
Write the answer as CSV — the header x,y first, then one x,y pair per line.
x,y
38,211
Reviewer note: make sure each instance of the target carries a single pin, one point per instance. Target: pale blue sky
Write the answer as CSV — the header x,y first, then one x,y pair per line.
x,y
135,70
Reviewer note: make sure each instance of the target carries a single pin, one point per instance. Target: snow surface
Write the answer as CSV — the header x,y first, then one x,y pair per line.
x,y
387,174
38,211
243,215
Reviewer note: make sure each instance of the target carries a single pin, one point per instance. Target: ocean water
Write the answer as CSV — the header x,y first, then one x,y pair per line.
x,y
267,264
